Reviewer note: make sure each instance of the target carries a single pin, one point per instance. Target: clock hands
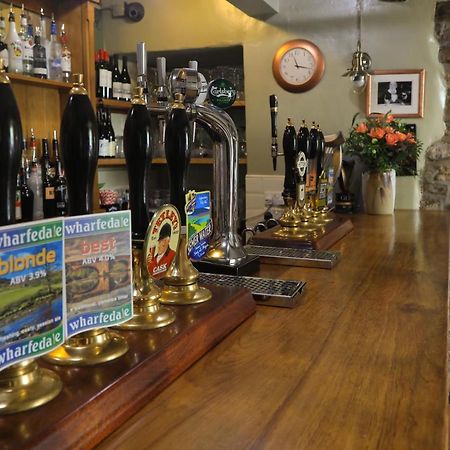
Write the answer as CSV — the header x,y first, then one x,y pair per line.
x,y
299,66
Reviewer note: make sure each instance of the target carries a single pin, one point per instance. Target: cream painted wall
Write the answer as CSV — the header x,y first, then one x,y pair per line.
x,y
397,36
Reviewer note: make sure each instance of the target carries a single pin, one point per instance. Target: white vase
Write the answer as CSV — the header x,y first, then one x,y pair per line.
x,y
378,191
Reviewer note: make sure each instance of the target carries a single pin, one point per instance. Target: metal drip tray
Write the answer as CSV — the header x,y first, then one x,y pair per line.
x,y
294,256
266,291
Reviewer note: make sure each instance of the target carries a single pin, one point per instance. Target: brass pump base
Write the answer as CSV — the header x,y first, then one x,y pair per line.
x,y
25,386
89,348
148,314
180,284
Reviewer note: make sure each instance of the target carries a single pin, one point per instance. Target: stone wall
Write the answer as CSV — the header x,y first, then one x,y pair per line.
x,y
436,173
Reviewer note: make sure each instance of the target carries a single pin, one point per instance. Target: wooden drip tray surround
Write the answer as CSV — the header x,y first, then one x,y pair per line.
x,y
328,235
96,400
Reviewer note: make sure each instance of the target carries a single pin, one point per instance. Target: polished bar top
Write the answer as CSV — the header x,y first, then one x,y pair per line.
x,y
360,363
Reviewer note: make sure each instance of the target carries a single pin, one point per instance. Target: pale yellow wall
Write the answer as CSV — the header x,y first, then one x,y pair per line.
x,y
397,36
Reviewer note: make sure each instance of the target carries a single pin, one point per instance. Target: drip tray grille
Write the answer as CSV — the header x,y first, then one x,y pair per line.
x,y
294,256
265,291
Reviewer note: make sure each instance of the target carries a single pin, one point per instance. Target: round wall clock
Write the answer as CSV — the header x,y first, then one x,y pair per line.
x,y
298,65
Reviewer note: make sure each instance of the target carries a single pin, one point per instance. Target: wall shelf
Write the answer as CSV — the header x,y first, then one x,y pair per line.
x,y
114,105
26,79
120,162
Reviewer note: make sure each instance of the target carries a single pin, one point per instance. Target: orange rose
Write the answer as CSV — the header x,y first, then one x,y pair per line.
x,y
391,139
389,130
389,118
377,133
361,128
410,138
401,136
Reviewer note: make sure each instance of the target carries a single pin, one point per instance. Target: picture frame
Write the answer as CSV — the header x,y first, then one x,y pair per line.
x,y
400,92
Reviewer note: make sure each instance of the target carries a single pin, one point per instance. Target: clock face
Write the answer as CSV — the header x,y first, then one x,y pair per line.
x,y
298,65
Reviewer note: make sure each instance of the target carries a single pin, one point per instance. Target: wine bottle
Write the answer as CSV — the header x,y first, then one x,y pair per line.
x,y
14,43
103,75
116,80
27,43
178,153
102,134
60,180
18,199
48,187
39,56
111,136
66,57
79,148
126,81
47,166
54,57
138,155
26,194
290,153
10,148
3,44
109,65
35,180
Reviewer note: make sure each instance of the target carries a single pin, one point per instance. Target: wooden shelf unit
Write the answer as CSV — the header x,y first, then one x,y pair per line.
x,y
114,105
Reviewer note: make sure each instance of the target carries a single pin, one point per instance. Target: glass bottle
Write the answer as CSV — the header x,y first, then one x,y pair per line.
x,y
54,57
111,136
15,58
60,181
126,81
26,194
66,57
35,180
27,43
48,188
116,80
43,36
39,56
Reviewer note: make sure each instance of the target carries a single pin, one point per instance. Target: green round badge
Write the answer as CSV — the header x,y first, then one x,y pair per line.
x,y
221,93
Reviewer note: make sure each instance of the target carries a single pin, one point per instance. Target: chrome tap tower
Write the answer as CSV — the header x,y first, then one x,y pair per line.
x,y
226,253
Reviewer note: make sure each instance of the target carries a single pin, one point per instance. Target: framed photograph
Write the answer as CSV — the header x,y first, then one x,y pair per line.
x,y
398,91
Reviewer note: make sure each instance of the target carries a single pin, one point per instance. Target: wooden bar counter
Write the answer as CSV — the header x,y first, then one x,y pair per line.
x,y
361,363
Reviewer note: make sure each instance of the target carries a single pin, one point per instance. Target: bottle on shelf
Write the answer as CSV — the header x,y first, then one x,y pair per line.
x,y
54,57
3,44
116,80
26,194
48,167
26,35
103,75
111,136
66,57
103,150
15,57
18,200
35,180
44,40
60,180
110,72
126,81
39,56
48,187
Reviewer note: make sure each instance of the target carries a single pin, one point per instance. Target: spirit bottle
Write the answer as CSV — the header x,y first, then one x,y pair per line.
x,y
26,194
66,57
48,187
39,56
60,181
14,43
35,181
54,47
27,43
44,40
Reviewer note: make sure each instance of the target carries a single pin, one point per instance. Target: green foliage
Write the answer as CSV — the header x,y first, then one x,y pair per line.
x,y
383,143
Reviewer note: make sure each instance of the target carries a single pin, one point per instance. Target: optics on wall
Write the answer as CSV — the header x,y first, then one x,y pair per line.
x,y
361,61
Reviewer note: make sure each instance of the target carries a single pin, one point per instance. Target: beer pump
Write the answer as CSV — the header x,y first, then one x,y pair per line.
x,y
226,253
